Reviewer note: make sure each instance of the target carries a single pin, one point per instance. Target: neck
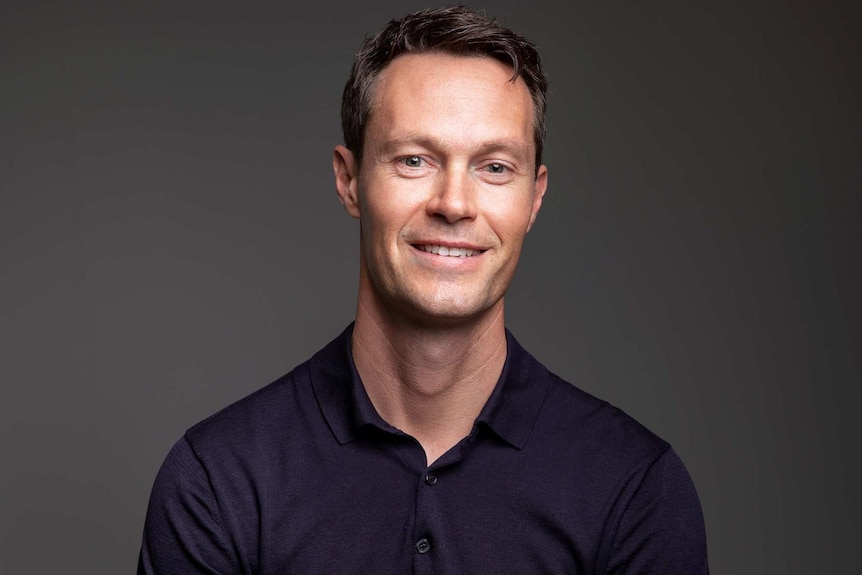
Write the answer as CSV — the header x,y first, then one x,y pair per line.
x,y
429,381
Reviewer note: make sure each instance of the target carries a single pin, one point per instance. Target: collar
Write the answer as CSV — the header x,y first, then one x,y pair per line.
x,y
510,411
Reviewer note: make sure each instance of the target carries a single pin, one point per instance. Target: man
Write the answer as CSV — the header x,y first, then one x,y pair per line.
x,y
424,439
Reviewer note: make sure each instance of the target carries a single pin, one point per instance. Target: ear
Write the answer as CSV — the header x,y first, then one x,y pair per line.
x,y
539,187
346,180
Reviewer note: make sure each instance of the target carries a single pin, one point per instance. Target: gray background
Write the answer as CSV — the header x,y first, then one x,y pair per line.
x,y
170,240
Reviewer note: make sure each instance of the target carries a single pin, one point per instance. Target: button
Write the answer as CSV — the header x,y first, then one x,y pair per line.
x,y
430,479
422,546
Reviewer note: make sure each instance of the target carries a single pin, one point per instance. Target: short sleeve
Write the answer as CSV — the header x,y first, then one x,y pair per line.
x,y
183,533
661,531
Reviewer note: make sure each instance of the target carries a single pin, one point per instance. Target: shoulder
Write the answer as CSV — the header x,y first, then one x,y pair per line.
x,y
593,430
598,420
569,422
595,452
619,474
576,436
202,506
269,412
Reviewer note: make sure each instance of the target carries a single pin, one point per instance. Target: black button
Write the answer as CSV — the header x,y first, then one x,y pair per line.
x,y
422,546
430,479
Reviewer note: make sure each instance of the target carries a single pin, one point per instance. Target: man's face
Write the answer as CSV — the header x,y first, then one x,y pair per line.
x,y
447,188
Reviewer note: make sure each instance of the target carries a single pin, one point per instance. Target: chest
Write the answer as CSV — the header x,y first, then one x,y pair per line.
x,y
378,509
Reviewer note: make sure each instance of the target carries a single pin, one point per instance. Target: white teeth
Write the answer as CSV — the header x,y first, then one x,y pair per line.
x,y
447,251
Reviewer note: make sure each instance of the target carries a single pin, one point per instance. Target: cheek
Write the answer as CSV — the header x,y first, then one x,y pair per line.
x,y
385,210
509,217
381,222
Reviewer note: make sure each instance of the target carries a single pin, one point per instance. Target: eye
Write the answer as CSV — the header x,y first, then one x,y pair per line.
x,y
412,161
497,172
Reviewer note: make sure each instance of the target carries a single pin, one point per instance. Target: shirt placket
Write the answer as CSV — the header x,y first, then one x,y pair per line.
x,y
426,552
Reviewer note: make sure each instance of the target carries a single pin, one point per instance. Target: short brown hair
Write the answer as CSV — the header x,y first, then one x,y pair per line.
x,y
456,30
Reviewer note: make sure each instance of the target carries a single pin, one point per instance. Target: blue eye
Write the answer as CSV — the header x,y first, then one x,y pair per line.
x,y
412,161
496,168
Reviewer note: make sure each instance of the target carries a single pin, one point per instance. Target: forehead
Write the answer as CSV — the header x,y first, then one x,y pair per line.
x,y
454,98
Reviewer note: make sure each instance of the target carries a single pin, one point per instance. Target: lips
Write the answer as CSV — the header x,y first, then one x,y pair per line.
x,y
448,251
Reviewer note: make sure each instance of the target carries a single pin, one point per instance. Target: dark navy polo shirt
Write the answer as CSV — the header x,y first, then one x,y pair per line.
x,y
304,477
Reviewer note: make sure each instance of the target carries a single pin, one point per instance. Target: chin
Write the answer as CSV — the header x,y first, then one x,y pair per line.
x,y
448,309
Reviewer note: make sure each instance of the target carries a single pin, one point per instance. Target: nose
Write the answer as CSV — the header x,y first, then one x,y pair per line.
x,y
453,197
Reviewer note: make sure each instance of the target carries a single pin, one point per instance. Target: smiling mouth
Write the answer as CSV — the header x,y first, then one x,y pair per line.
x,y
448,251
